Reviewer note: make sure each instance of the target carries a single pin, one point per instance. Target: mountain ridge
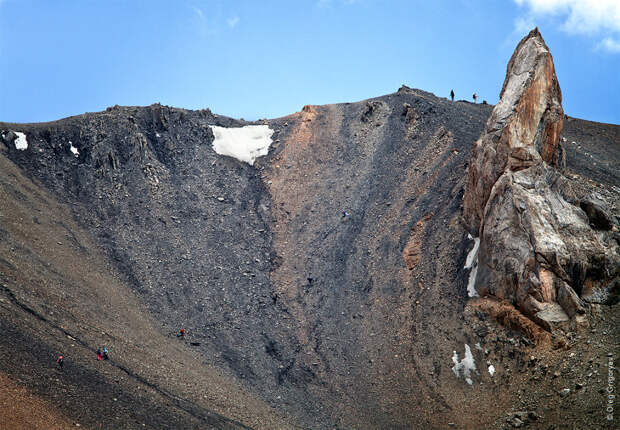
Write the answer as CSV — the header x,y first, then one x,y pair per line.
x,y
315,320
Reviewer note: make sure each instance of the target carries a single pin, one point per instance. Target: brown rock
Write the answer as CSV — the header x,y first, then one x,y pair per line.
x,y
537,250
523,129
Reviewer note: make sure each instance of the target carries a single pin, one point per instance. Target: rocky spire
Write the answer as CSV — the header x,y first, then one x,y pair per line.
x,y
523,129
539,251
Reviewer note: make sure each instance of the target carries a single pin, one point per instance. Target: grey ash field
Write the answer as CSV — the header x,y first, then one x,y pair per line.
x,y
295,318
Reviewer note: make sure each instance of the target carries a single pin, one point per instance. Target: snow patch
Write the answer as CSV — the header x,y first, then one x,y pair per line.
x,y
74,150
471,284
473,254
243,143
21,143
466,365
491,370
471,262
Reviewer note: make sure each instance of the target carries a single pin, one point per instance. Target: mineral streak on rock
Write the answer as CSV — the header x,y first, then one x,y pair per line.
x,y
537,250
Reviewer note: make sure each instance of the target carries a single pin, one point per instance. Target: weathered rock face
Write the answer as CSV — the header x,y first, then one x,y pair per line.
x,y
523,129
541,246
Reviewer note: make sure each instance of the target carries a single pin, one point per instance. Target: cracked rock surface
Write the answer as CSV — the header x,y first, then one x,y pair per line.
x,y
547,244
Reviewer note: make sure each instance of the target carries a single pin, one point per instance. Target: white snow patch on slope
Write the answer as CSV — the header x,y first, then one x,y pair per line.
x,y
472,254
491,369
243,143
74,150
471,284
466,365
21,143
472,263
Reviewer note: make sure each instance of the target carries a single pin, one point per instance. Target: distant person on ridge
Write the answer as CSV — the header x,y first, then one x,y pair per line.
x,y
452,94
182,333
98,355
60,361
475,96
105,353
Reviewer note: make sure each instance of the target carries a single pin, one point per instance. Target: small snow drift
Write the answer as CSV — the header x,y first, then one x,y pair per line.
x,y
472,263
467,364
21,143
491,369
74,150
243,143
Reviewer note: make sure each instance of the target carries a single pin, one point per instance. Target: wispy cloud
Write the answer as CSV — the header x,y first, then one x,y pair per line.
x,y
198,11
524,24
329,3
609,44
599,19
232,22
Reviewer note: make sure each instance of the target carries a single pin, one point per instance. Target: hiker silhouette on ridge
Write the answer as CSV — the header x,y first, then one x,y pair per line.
x,y
452,94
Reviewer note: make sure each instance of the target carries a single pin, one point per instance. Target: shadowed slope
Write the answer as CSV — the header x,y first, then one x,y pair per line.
x,y
60,296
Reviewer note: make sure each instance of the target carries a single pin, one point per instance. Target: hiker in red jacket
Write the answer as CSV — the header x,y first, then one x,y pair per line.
x,y
98,354
60,361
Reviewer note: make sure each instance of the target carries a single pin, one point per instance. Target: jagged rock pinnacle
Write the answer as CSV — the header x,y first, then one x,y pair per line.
x,y
524,128
537,250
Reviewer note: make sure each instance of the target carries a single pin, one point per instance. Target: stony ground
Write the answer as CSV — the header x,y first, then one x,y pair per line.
x,y
295,317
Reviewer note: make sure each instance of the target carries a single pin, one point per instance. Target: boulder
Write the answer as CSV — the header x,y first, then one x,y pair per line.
x,y
598,212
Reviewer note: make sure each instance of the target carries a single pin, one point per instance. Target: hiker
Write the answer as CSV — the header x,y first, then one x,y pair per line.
x,y
98,354
105,353
452,94
182,333
475,96
344,216
60,361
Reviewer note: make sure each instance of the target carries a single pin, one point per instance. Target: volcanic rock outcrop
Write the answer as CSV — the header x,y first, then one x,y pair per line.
x,y
547,244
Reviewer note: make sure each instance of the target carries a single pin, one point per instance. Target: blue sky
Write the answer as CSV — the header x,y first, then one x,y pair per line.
x,y
255,59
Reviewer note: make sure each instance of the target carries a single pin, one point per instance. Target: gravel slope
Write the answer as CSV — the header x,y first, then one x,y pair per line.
x,y
295,316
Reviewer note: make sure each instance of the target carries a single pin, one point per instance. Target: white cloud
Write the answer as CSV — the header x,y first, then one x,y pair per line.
x,y
198,11
595,18
524,25
609,44
329,3
232,22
